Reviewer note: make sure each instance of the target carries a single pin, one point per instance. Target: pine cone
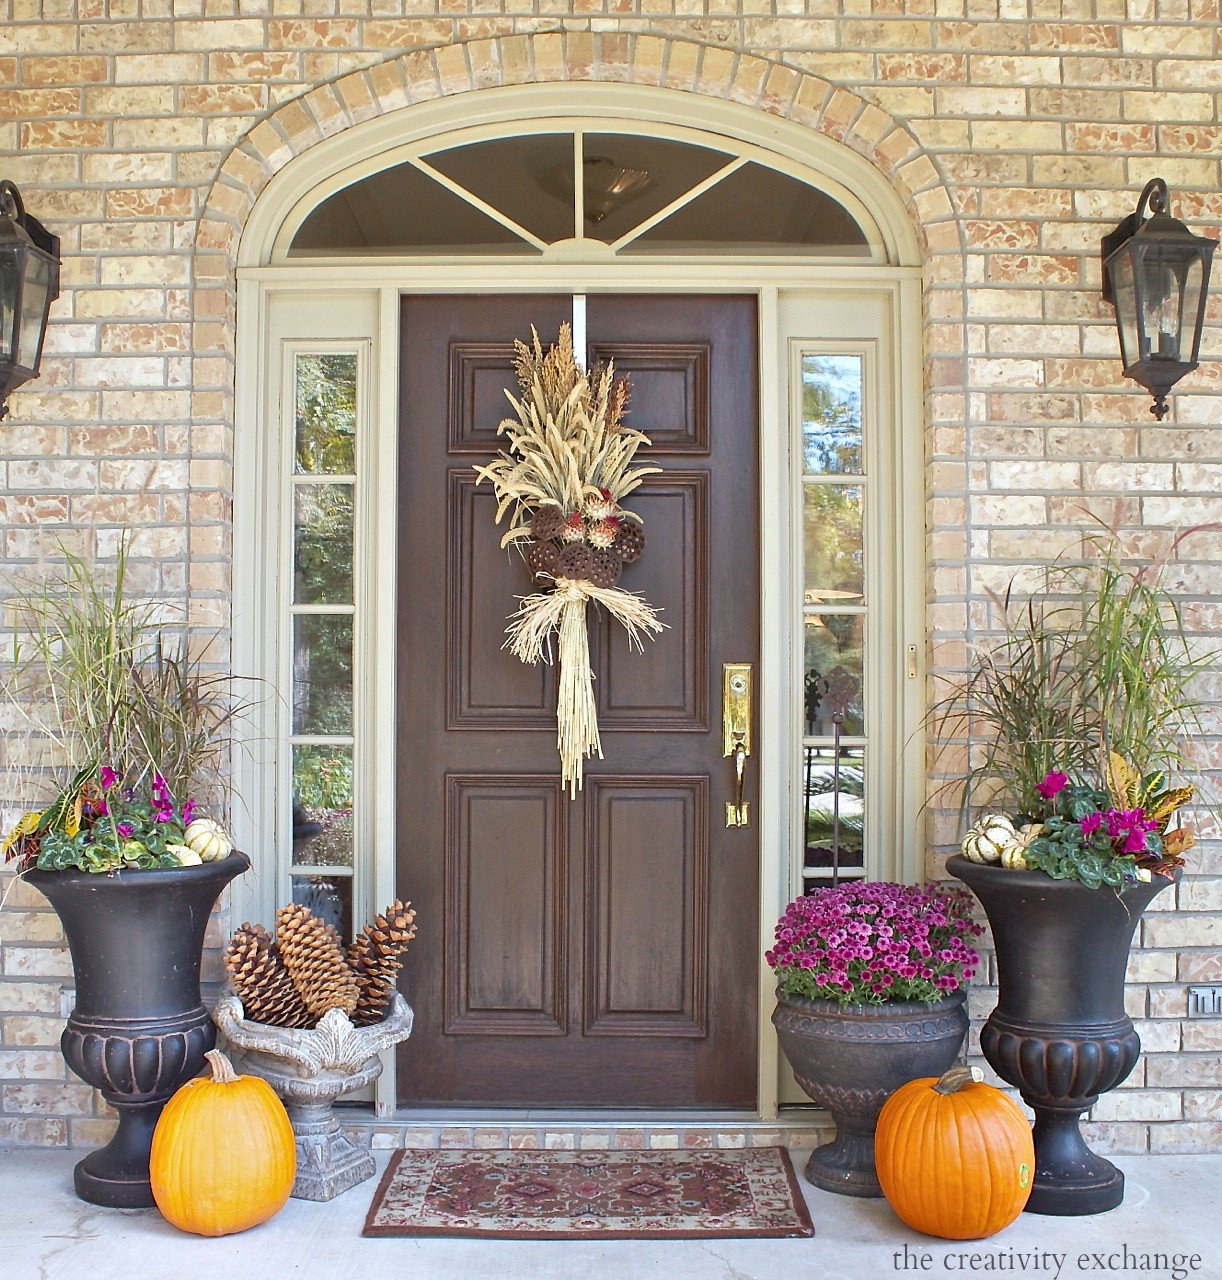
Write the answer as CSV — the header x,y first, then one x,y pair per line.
x,y
543,559
575,561
261,982
630,540
546,523
376,957
605,567
310,951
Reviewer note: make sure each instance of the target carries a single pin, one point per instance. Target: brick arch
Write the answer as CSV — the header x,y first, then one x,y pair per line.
x,y
712,71
669,62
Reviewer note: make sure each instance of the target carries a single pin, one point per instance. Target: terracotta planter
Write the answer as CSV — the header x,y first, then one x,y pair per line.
x,y
139,1028
851,1059
309,1069
1059,1031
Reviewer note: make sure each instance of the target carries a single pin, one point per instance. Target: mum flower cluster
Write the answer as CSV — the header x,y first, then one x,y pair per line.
x,y
867,943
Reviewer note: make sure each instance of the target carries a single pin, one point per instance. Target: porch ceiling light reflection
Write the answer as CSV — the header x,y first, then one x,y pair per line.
x,y
1156,275
606,186
29,283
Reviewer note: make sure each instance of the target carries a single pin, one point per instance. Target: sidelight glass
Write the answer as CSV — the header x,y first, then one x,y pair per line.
x,y
325,406
322,805
835,548
833,640
834,802
322,674
322,544
329,897
831,414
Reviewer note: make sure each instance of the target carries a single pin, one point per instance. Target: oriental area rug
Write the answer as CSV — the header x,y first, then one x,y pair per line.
x,y
589,1195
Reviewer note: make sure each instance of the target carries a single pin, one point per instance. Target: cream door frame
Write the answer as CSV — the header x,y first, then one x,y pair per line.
x,y
355,304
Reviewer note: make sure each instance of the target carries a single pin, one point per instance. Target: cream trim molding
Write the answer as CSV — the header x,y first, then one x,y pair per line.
x,y
284,306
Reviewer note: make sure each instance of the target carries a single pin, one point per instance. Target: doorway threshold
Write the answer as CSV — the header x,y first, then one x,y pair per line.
x,y
469,1128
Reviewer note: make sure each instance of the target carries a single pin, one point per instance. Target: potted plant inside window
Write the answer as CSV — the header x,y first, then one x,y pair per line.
x,y
870,995
1077,719
121,738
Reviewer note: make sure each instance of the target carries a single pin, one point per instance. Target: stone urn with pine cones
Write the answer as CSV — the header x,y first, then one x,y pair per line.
x,y
311,1018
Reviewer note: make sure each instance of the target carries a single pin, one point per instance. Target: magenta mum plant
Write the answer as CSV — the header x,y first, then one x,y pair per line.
x,y
873,942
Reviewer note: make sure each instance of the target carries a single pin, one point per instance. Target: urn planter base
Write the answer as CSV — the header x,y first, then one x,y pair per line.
x,y
139,1029
309,1069
851,1059
1060,1032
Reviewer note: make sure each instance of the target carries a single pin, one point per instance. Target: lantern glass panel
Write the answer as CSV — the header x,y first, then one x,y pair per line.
x,y
1190,312
1124,295
1161,294
33,310
10,280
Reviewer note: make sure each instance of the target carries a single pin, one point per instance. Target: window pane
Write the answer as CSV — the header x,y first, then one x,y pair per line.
x,y
530,179
833,640
326,414
322,544
834,804
758,208
402,210
833,532
329,898
322,674
322,806
831,414
629,179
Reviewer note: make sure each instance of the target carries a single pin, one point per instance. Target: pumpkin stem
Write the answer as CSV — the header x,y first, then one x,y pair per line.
x,y
957,1077
222,1068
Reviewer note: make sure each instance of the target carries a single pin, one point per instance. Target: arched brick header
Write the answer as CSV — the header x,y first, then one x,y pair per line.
x,y
690,66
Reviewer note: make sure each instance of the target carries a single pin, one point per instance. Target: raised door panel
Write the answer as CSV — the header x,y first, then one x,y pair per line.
x,y
666,687
487,687
647,862
670,391
479,374
505,951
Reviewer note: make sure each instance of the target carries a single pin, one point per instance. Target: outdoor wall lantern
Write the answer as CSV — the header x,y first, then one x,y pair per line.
x,y
1156,273
29,283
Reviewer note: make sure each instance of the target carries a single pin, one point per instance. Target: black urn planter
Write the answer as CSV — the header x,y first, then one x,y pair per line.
x,y
139,1029
1059,1031
851,1059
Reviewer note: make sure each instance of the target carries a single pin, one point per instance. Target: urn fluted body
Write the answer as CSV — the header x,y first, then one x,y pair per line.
x,y
139,1029
1060,1032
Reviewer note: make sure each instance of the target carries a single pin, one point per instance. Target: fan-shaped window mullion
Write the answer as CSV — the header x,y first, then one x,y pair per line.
x,y
482,205
678,203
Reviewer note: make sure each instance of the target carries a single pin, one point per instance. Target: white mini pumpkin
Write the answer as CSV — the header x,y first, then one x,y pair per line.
x,y
1013,856
186,857
208,839
988,836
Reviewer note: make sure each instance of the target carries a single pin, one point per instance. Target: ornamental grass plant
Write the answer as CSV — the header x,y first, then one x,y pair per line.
x,y
1078,717
119,728
874,942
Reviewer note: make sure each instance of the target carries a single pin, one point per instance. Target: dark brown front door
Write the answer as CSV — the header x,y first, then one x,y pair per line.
x,y
602,950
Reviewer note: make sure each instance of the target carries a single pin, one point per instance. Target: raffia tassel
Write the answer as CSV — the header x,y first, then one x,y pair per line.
x,y
564,611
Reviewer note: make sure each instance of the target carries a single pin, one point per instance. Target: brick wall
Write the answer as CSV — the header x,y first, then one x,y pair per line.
x,y
142,131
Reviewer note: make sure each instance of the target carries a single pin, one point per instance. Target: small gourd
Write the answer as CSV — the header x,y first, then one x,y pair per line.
x,y
954,1156
208,839
1013,856
987,837
223,1157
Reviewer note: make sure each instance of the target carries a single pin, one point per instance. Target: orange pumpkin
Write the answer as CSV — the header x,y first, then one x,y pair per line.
x,y
954,1156
223,1156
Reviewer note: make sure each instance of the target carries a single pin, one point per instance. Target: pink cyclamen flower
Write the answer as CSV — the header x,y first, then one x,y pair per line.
x,y
108,777
188,812
1052,784
126,830
1090,824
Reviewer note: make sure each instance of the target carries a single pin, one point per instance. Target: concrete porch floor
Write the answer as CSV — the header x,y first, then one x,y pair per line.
x,y
1170,1209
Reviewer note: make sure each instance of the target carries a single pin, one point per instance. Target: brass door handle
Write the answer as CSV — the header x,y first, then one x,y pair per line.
x,y
736,731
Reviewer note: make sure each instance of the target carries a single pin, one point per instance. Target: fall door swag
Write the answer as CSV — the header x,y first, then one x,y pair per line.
x,y
563,476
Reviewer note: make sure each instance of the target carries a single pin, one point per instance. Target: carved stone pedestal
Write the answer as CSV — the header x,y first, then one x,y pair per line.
x,y
309,1070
